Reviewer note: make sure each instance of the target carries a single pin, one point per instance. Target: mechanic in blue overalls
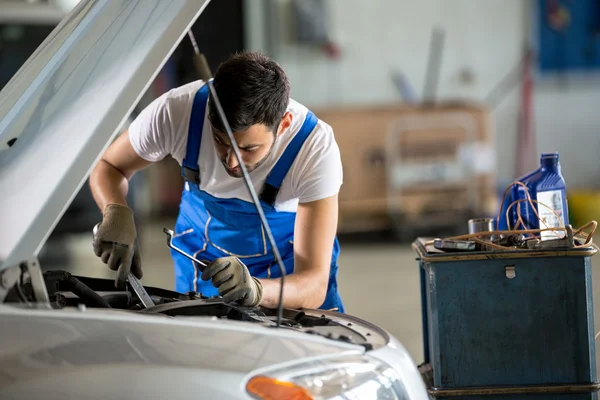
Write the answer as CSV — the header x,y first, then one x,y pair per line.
x,y
294,164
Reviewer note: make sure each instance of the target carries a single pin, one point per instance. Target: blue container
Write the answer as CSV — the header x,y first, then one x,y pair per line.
x,y
508,320
508,200
547,186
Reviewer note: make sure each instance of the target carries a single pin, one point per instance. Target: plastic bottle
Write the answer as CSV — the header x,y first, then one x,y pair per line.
x,y
503,223
547,186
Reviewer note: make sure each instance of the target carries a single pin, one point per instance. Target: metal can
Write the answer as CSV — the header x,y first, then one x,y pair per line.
x,y
477,225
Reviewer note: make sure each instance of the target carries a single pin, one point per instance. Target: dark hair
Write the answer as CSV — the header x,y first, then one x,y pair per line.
x,y
253,89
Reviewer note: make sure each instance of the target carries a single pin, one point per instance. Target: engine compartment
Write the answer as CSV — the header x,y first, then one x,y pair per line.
x,y
66,291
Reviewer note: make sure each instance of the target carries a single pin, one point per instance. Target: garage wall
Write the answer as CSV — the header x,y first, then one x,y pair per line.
x,y
483,38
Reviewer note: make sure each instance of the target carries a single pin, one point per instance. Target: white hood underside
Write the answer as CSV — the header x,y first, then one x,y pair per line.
x,y
67,102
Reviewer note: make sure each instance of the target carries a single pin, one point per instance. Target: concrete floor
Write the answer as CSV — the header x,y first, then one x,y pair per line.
x,y
390,268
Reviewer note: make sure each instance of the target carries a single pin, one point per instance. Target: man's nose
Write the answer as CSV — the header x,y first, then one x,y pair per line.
x,y
232,161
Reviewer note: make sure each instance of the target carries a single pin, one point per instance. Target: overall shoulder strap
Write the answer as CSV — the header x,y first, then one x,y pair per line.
x,y
190,169
275,177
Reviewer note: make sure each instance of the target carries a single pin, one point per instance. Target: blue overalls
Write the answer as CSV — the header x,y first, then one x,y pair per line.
x,y
209,227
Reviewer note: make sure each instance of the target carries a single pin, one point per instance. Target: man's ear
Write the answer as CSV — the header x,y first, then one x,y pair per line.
x,y
286,122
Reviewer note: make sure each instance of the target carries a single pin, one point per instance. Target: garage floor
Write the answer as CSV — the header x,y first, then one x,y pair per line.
x,y
391,268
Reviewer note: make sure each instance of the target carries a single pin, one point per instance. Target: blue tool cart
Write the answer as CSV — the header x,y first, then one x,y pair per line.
x,y
508,324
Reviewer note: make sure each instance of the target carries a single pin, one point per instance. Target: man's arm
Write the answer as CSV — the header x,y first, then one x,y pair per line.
x,y
109,180
109,183
314,234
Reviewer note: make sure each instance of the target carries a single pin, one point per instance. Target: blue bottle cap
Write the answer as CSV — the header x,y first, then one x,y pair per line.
x,y
550,155
549,160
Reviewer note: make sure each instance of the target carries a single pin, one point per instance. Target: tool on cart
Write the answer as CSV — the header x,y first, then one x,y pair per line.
x,y
568,242
521,236
518,240
135,283
511,240
455,245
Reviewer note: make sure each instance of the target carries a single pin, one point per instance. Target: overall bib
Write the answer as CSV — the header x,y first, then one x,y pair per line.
x,y
209,227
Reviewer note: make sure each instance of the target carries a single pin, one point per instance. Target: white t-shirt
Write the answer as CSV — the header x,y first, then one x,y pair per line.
x,y
316,173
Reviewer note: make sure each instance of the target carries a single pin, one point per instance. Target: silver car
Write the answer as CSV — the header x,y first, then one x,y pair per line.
x,y
77,337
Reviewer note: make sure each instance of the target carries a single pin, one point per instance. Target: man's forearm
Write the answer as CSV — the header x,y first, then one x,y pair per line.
x,y
108,185
299,291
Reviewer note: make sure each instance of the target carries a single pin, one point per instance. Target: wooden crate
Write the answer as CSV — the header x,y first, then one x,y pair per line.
x,y
361,134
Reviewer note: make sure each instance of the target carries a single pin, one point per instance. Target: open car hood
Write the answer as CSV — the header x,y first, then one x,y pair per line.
x,y
67,102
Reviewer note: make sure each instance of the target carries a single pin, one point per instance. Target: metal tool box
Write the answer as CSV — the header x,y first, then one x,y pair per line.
x,y
508,324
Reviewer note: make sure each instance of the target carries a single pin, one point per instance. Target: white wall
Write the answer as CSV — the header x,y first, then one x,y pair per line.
x,y
568,119
485,37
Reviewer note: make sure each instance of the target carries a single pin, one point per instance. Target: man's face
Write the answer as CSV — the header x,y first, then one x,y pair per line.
x,y
255,144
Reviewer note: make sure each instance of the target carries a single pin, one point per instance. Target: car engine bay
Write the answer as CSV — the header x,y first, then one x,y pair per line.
x,y
69,291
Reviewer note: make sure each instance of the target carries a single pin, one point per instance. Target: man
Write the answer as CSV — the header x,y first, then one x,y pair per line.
x,y
294,164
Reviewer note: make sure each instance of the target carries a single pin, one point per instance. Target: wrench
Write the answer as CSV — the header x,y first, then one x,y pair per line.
x,y
170,235
140,290
135,283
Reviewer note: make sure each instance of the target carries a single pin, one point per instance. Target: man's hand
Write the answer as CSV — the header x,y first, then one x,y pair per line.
x,y
114,242
234,282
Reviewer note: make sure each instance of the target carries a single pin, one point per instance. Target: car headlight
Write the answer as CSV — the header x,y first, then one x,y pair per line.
x,y
346,378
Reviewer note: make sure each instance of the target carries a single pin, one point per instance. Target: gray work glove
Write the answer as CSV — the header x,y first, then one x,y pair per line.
x,y
115,242
234,282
